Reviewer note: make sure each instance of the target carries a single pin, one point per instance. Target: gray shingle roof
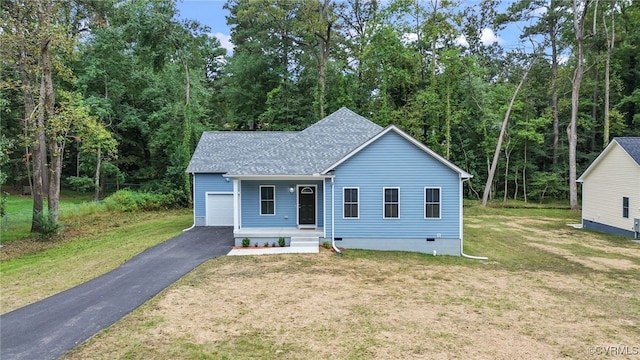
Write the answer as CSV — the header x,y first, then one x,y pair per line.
x,y
631,145
220,151
283,153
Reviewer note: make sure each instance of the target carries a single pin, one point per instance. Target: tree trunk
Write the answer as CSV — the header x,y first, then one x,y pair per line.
x,y
47,102
503,130
96,194
572,131
607,70
554,92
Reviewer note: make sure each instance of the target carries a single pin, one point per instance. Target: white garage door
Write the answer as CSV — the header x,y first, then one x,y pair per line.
x,y
219,210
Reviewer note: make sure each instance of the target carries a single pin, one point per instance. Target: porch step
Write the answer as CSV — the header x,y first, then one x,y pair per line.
x,y
307,241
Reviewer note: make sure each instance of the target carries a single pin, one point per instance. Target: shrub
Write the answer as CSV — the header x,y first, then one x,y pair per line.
x,y
266,244
130,201
326,244
49,227
281,241
246,242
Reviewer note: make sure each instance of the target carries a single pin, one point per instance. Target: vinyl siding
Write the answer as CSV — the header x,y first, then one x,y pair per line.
x,y
286,203
205,183
615,176
392,161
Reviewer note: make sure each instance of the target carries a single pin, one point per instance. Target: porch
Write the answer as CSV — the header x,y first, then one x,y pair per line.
x,y
305,240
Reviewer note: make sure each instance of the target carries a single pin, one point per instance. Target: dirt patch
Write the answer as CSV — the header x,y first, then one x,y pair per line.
x,y
596,263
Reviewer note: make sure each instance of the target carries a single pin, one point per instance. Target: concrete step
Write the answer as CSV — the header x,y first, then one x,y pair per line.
x,y
307,241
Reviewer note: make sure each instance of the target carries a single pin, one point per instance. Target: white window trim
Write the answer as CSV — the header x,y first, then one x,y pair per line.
x,y
384,203
357,203
628,207
260,200
424,203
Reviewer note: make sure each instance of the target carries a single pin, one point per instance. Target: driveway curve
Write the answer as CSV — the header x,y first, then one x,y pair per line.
x,y
51,327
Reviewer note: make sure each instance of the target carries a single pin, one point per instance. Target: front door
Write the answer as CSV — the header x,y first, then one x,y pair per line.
x,y
307,205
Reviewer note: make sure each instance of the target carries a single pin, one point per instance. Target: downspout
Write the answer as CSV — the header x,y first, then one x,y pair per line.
x,y
333,222
194,205
461,235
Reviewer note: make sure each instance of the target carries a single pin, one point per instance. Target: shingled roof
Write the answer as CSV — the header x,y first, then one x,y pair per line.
x,y
631,145
306,152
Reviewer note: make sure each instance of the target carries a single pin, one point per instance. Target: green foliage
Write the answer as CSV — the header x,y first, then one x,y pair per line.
x,y
131,201
326,244
81,183
281,241
49,226
246,242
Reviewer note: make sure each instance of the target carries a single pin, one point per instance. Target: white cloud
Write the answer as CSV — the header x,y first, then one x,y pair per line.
x,y
408,38
540,11
488,37
461,41
225,42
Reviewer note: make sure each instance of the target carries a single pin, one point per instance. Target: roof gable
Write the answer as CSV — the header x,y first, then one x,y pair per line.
x,y
630,145
419,145
311,150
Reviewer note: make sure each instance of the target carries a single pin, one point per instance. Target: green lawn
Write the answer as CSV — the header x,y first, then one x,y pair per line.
x,y
17,223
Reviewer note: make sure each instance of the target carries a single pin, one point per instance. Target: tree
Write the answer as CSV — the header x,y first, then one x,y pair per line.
x,y
579,13
503,129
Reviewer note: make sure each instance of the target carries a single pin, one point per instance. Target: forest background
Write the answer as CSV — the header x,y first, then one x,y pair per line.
x,y
99,95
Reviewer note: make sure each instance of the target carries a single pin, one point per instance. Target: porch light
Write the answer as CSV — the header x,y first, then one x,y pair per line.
x,y
291,189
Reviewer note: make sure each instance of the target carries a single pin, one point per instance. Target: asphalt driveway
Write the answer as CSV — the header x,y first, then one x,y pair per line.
x,y
51,327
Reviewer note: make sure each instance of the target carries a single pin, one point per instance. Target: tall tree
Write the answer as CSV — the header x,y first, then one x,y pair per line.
x,y
579,14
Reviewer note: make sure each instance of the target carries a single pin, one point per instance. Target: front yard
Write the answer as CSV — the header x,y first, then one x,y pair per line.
x,y
548,291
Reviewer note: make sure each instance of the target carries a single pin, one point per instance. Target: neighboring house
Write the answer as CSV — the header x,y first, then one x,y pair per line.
x,y
343,178
611,189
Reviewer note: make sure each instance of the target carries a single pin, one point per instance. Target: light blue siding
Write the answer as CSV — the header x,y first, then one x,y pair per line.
x,y
392,161
205,183
286,203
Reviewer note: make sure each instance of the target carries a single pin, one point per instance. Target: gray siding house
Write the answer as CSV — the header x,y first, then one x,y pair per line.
x,y
611,189
343,179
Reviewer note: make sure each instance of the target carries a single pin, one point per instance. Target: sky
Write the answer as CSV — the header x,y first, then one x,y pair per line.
x,y
212,14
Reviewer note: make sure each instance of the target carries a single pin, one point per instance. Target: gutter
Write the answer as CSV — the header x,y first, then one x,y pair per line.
x,y
333,222
461,234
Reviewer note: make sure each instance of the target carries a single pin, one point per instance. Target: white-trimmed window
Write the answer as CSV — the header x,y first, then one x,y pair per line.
x,y
267,200
432,203
351,203
391,199
625,207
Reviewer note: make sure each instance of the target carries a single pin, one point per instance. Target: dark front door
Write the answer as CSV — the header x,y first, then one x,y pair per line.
x,y
306,205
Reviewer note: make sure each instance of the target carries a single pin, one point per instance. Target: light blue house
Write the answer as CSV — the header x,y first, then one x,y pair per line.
x,y
343,179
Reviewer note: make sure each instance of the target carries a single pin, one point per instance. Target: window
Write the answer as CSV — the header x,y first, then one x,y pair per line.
x,y
625,207
391,203
350,203
267,200
432,203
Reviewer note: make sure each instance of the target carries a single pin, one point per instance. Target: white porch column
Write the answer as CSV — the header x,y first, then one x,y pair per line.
x,y
236,205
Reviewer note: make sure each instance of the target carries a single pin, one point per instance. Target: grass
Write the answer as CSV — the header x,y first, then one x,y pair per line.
x,y
17,224
547,291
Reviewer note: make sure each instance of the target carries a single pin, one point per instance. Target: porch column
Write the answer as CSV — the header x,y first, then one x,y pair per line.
x,y
236,205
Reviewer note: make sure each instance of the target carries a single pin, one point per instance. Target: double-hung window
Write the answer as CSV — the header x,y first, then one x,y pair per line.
x,y
625,207
351,203
267,200
391,203
432,203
